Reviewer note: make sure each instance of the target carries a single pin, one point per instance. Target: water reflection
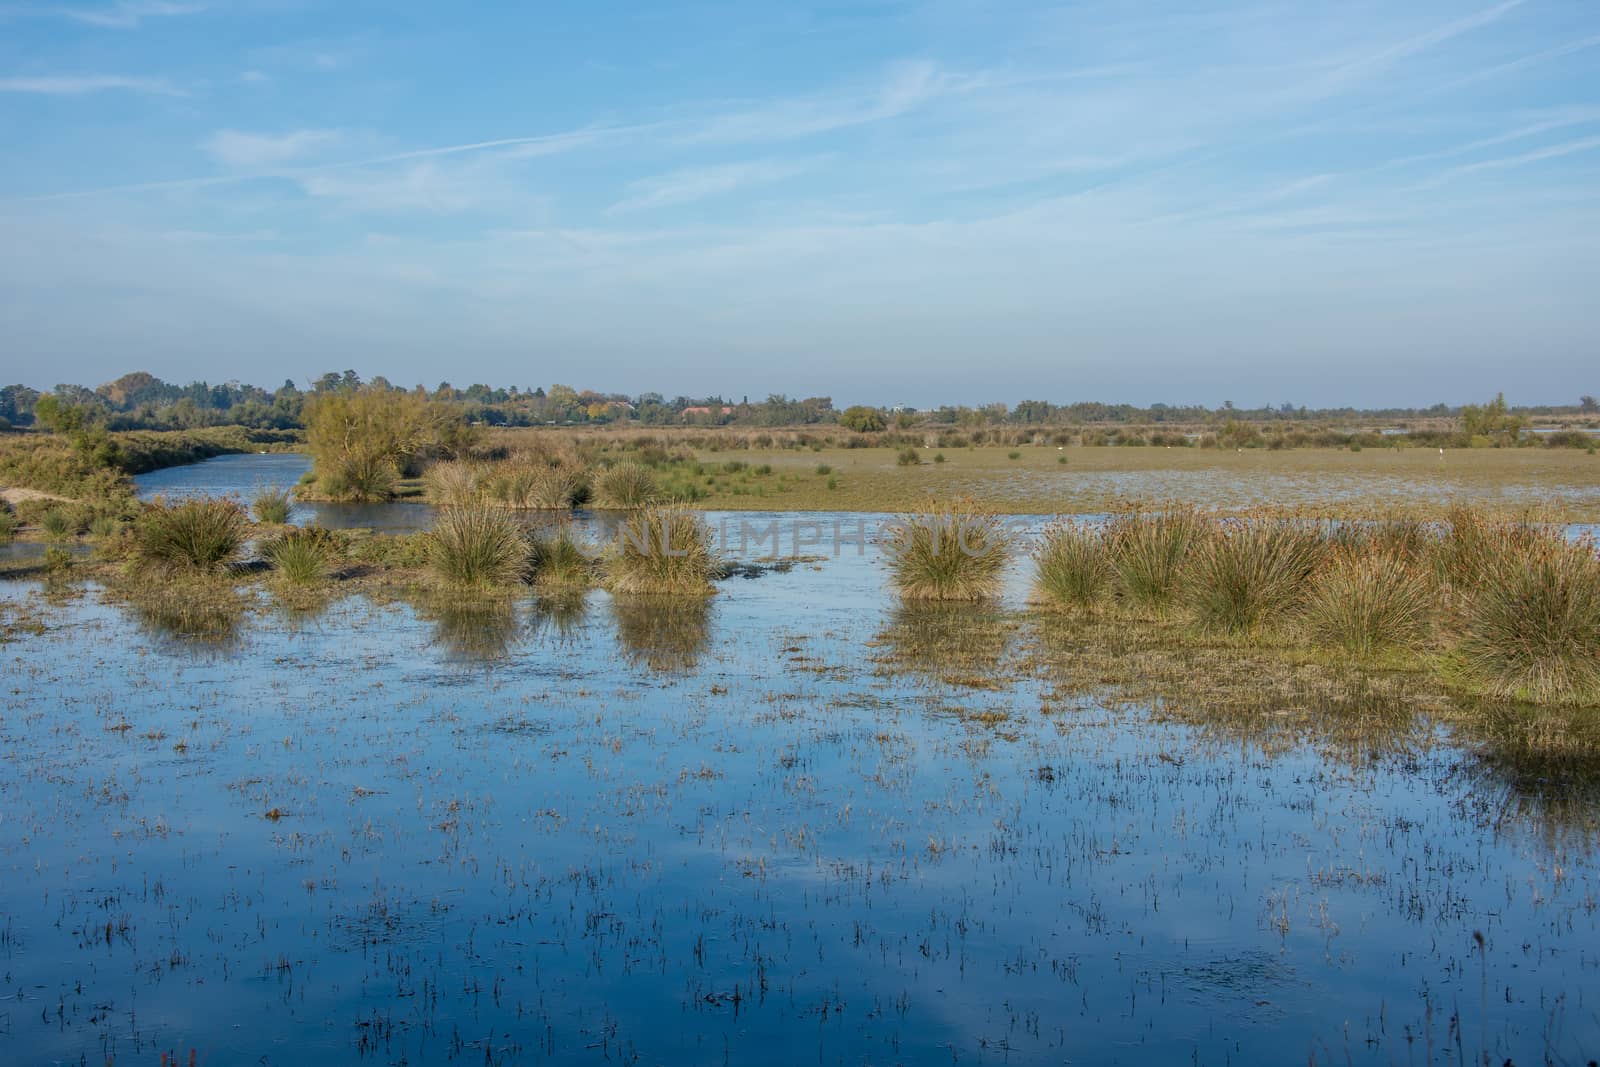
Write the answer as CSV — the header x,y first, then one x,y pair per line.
x,y
1538,768
952,644
559,617
663,633
197,614
472,630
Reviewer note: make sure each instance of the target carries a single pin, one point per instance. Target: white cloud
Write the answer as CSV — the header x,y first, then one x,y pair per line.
x,y
78,84
236,148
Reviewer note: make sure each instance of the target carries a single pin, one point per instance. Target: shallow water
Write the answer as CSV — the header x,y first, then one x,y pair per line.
x,y
761,831
243,476
781,827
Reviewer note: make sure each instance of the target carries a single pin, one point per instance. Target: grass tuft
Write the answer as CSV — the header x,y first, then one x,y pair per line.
x,y
477,546
662,552
195,535
1531,626
626,485
952,551
271,506
1249,573
1369,600
453,483
1073,566
1148,553
302,556
561,561
57,524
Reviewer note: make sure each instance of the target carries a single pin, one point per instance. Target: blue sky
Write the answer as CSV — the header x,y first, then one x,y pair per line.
x,y
895,202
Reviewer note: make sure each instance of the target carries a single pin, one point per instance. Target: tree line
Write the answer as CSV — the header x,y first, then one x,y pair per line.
x,y
141,401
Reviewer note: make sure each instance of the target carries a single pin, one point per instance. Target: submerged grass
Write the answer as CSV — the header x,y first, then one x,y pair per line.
x,y
954,550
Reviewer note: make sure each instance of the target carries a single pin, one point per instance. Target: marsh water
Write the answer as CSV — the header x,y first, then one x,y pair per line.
x,y
781,828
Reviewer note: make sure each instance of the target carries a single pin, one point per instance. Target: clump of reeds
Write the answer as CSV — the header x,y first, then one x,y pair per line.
x,y
57,525
302,556
560,560
453,483
195,535
8,522
1530,625
360,475
1072,566
104,527
1249,572
1472,544
271,506
908,457
477,546
952,551
662,552
1368,599
1148,553
625,485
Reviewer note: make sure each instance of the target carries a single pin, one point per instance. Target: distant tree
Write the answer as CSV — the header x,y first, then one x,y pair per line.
x,y
1588,404
1493,419
861,419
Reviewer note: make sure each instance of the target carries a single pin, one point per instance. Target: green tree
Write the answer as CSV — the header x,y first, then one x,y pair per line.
x,y
861,419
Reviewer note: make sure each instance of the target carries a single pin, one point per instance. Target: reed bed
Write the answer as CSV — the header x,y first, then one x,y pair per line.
x,y
1509,606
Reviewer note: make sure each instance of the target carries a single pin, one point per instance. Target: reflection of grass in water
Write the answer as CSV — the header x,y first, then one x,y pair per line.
x,y
1536,766
560,616
663,633
195,609
956,644
472,629
1264,696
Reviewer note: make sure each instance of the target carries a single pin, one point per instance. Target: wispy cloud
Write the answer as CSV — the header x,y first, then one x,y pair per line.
x,y
1537,156
129,13
699,183
124,15
79,84
236,148
906,87
1361,68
